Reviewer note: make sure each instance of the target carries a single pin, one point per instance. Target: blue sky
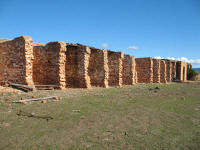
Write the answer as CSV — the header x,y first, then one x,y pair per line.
x,y
143,28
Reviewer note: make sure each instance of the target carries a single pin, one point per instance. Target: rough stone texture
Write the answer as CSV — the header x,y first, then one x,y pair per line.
x,y
49,64
16,60
163,71
189,66
156,70
115,68
181,71
77,62
128,74
168,70
144,68
173,70
98,68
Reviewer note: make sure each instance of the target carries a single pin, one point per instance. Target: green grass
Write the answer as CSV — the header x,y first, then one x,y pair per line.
x,y
131,117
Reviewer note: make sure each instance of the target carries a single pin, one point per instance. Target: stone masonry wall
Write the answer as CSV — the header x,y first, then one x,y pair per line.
x,y
173,70
144,68
98,68
115,68
76,68
156,70
181,71
163,71
128,74
16,58
49,64
168,70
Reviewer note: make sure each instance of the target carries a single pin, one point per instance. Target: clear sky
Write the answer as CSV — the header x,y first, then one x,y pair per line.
x,y
143,28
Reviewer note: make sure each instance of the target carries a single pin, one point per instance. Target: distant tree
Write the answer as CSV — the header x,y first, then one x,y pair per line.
x,y
191,74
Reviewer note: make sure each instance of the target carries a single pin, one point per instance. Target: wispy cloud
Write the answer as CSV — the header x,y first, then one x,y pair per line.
x,y
132,48
192,61
105,45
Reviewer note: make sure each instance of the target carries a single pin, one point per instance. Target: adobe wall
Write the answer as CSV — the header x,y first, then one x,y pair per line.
x,y
115,60
163,71
16,60
156,70
144,68
49,64
128,73
98,68
76,67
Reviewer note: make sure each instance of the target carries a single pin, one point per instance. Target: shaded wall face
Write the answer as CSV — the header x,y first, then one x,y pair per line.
x,y
156,70
76,68
144,68
16,60
115,68
173,70
168,70
128,74
163,72
98,69
48,65
181,71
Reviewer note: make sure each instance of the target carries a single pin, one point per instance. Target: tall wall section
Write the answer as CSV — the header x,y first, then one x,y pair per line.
x,y
144,68
173,70
163,78
168,70
115,60
181,71
98,68
49,64
16,60
128,74
76,67
156,70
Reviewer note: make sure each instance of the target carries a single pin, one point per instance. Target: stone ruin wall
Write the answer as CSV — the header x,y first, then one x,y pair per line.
x,y
98,68
128,73
156,70
16,59
49,64
78,66
163,78
115,60
144,69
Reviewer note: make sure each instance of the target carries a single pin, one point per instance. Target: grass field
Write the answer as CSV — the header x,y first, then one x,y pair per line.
x,y
132,117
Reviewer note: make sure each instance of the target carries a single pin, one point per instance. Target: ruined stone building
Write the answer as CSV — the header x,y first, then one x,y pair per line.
x,y
78,66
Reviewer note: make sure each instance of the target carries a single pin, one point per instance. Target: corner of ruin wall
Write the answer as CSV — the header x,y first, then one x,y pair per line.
x,y
128,75
156,70
144,68
16,58
163,75
115,62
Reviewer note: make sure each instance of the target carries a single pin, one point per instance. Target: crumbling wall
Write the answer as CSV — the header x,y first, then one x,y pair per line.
x,y
144,68
163,71
168,70
98,68
173,70
115,68
76,68
16,60
156,70
49,64
128,74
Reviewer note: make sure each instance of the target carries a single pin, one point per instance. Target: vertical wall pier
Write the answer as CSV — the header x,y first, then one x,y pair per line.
x,y
156,70
128,75
173,70
98,68
49,64
16,60
115,60
144,68
163,71
168,70
76,68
